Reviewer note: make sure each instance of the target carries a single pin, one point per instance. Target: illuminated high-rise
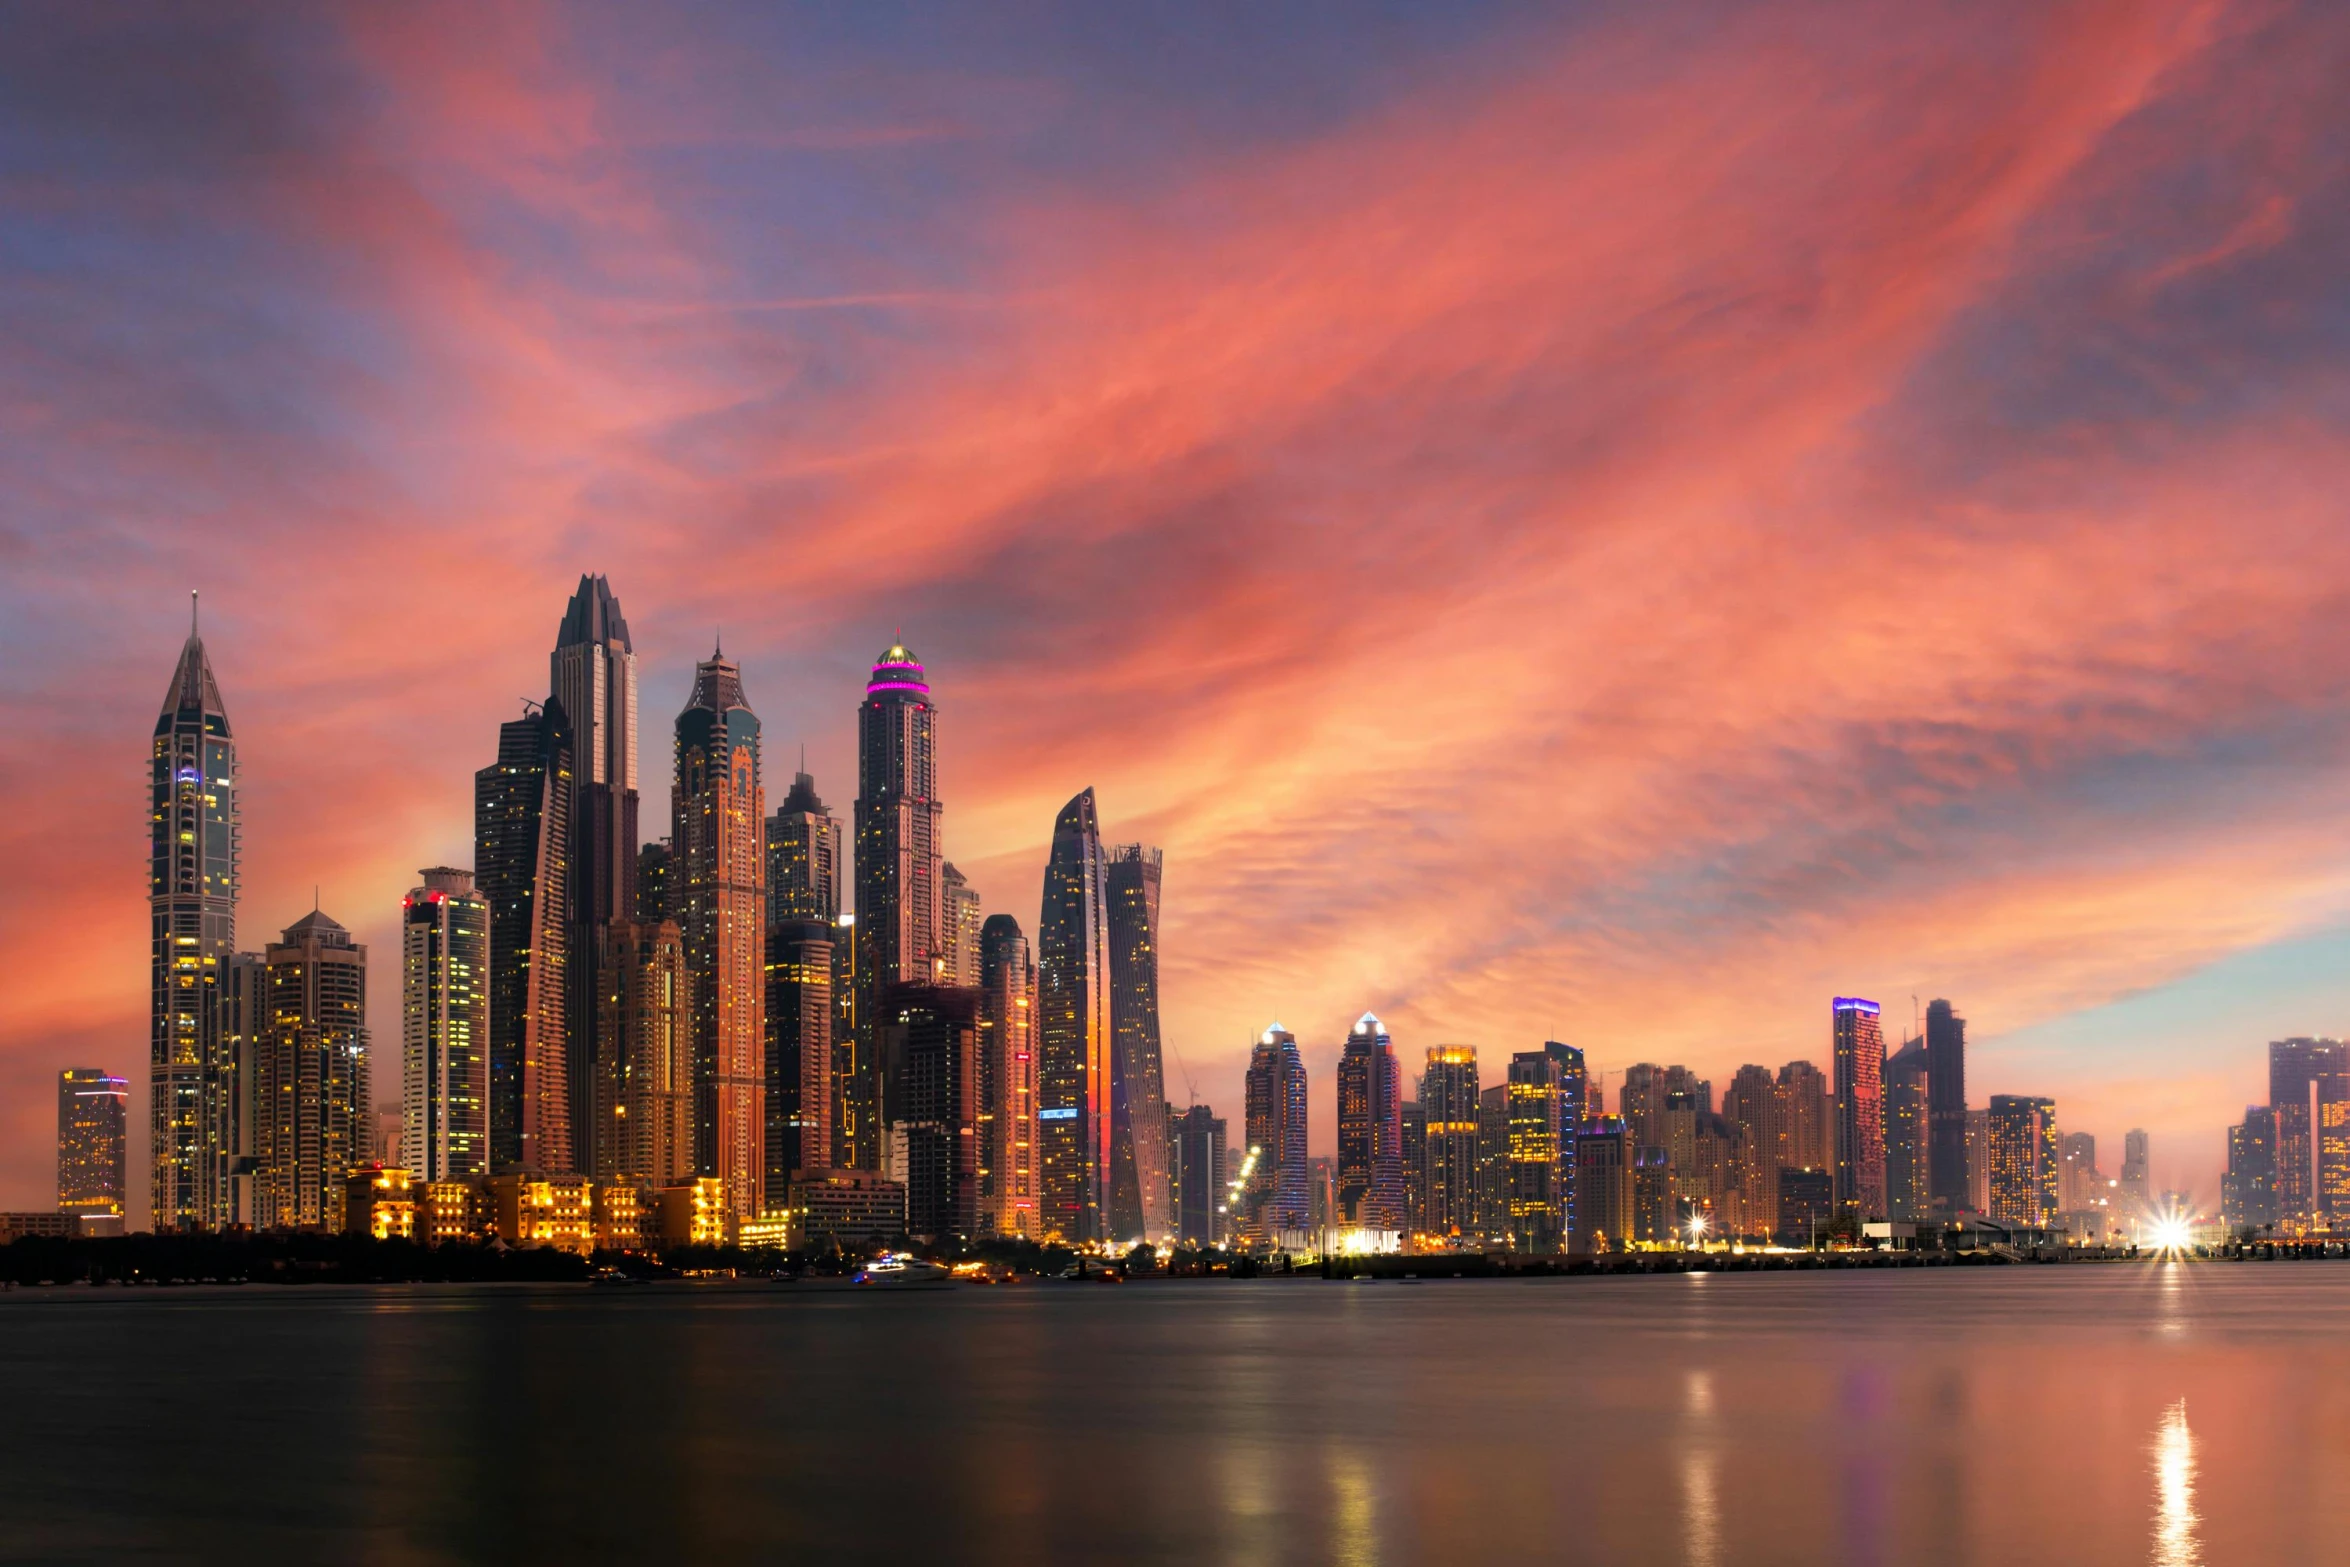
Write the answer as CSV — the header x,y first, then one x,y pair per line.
x,y
958,922
2024,1159
445,1028
900,871
645,1081
93,1109
593,679
1806,1110
310,1088
803,857
806,969
1907,1137
1604,1172
1946,1166
930,1044
1538,1124
1138,1104
1275,1189
194,1096
1859,1043
1197,1162
1448,1098
522,846
2248,1191
1370,1129
1752,1101
718,831
1074,1078
1010,1190
2295,1067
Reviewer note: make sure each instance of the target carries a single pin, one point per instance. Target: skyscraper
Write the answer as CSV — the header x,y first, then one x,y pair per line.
x,y
2248,1192
593,680
929,1048
719,833
1574,1091
1752,1100
2079,1186
1908,1095
645,1082
92,1111
1370,1129
310,1091
958,916
803,857
1008,1081
2294,1067
445,1028
1448,1097
193,1092
1537,1124
1138,1186
1860,1109
1946,1168
1604,1170
522,847
1276,1196
2023,1149
2137,1183
1806,1118
799,1048
1074,1029
1197,1145
900,871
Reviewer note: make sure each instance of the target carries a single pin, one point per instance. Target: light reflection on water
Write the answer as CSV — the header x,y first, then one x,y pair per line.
x,y
1962,1416
2175,1544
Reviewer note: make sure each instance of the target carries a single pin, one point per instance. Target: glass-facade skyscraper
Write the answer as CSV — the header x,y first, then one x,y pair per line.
x,y
1946,1166
1277,1196
1076,1109
1139,1201
899,854
93,1109
310,1082
2024,1159
593,679
1448,1097
1010,1188
1370,1129
718,835
1859,1043
444,1028
194,1096
522,847
1908,1096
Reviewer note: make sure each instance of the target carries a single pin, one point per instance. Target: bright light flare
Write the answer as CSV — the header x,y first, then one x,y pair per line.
x,y
2171,1234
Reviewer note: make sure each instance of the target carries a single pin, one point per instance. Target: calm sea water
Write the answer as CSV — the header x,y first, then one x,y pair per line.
x,y
2169,1414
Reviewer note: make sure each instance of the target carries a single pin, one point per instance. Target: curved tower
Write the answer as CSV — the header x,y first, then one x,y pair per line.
x,y
898,858
192,895
1074,1099
718,828
1139,1197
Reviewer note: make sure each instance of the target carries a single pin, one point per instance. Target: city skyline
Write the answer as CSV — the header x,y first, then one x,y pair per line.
x,y
1140,447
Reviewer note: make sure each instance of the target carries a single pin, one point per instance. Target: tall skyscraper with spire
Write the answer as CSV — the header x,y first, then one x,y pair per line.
x,y
1073,1028
899,854
719,836
1370,1128
592,676
1859,1041
1139,1194
193,1091
522,847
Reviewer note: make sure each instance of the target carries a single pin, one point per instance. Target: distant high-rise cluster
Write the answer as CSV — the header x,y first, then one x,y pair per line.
x,y
762,1024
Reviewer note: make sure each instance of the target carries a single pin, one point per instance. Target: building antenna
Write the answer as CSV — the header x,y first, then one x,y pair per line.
x,y
191,613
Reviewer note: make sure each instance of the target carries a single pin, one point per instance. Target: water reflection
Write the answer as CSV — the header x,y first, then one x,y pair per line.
x,y
2175,1520
1701,1504
1354,1523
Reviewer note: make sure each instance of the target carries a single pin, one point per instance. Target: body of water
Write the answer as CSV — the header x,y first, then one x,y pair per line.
x,y
2166,1413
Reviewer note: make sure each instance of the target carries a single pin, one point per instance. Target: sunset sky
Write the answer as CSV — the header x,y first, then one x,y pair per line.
x,y
1614,524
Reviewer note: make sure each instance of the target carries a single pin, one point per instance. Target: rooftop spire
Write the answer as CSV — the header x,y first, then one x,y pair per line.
x,y
191,614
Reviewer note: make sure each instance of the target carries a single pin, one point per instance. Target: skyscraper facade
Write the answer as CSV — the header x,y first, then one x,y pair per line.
x,y
958,917
1860,1108
719,834
2294,1068
1946,1168
1752,1101
593,680
194,1096
645,1084
1448,1098
1604,1170
1806,1118
310,1090
799,1048
2248,1191
2023,1157
1537,1123
1138,1101
2079,1186
803,857
1197,1148
1908,1136
1370,1129
445,1028
1008,1079
929,1047
1074,1028
1574,1094
93,1112
2137,1182
522,847
1277,1196
900,871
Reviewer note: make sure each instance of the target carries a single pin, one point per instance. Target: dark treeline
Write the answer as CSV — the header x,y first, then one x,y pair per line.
x,y
272,1258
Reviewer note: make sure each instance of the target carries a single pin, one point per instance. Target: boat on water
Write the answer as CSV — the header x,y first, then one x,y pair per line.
x,y
904,1271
